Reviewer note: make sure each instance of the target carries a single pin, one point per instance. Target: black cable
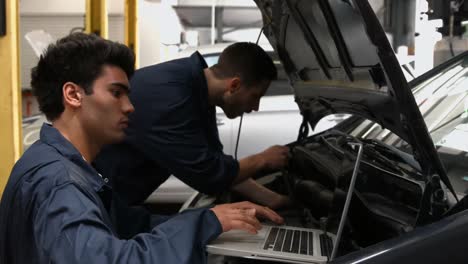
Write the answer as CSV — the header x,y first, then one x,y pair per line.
x,y
242,116
454,7
259,35
238,136
452,53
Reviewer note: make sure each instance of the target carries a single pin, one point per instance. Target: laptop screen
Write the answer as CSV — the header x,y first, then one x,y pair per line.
x,y
342,199
332,162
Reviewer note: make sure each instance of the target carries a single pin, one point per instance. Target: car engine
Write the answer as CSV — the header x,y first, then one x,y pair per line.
x,y
385,201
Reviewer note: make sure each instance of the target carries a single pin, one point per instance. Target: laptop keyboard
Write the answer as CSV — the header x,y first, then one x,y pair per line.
x,y
326,245
291,241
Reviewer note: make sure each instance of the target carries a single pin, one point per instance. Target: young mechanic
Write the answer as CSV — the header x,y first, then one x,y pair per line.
x,y
173,129
54,208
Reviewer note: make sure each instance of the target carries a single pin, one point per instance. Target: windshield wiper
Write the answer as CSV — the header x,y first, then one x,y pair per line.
x,y
446,123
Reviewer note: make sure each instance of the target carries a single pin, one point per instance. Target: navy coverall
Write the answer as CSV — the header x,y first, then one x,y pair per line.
x,y
172,131
53,210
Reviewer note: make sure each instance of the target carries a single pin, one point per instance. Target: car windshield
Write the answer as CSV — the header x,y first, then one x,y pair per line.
x,y
443,102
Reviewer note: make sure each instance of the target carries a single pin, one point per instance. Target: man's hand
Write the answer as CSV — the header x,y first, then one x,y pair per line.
x,y
257,193
275,157
280,201
243,216
272,159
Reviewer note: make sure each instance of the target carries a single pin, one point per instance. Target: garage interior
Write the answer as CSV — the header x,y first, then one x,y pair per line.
x,y
409,25
422,33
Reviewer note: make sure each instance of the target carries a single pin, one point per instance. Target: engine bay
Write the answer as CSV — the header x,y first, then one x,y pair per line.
x,y
385,201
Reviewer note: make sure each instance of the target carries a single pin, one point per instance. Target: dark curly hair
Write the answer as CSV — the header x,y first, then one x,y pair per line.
x,y
248,60
77,58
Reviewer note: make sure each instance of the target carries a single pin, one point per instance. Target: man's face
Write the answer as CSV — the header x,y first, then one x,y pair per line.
x,y
105,111
243,99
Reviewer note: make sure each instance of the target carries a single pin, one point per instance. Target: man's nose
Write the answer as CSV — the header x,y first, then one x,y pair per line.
x,y
128,106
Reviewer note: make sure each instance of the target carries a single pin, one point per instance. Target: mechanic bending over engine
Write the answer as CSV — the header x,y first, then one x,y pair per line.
x,y
173,129
55,207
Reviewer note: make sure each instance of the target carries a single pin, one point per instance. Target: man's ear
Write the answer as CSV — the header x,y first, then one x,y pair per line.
x,y
234,84
72,94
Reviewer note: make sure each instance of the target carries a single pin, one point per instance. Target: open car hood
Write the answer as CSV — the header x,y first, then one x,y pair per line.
x,y
339,60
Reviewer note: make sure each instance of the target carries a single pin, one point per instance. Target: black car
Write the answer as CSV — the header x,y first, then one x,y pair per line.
x,y
408,202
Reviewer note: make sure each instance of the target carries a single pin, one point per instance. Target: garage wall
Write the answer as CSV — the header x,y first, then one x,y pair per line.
x,y
58,26
65,7
59,17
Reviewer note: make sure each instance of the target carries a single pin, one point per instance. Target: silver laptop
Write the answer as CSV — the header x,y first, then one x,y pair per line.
x,y
286,243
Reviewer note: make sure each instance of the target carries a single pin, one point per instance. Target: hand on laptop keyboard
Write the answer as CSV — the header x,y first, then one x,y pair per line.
x,y
243,216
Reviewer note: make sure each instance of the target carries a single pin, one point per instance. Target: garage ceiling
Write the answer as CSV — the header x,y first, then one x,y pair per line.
x,y
232,16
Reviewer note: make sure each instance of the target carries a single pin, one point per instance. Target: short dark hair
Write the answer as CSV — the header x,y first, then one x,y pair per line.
x,y
248,60
77,58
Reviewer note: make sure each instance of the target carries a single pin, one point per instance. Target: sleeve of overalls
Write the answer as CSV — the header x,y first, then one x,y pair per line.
x,y
69,227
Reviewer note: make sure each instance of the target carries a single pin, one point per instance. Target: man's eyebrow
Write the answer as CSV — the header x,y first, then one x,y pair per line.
x,y
121,85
